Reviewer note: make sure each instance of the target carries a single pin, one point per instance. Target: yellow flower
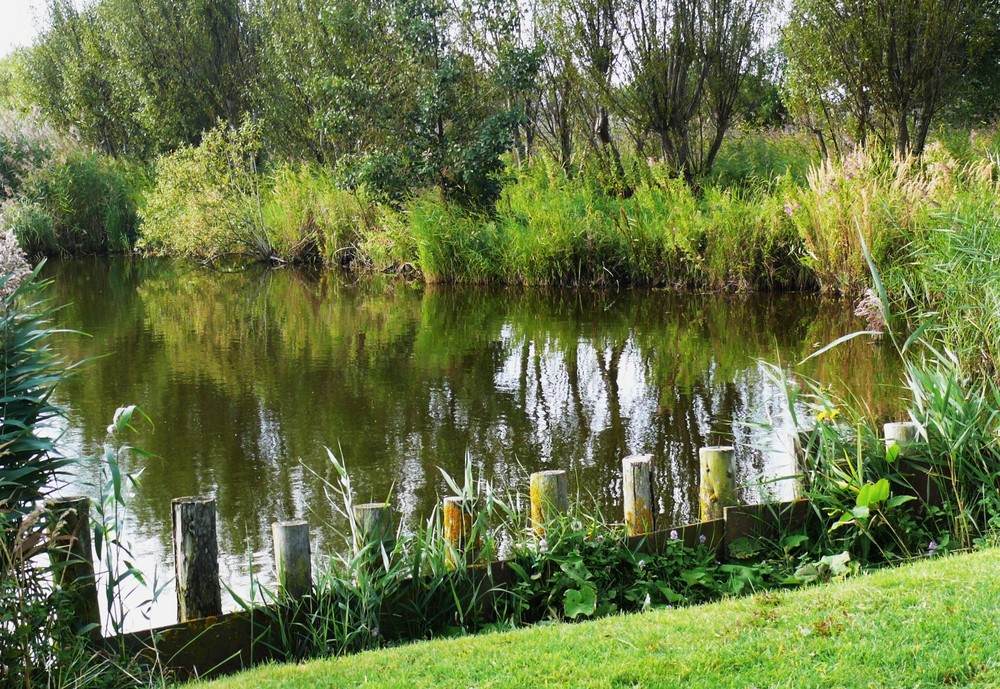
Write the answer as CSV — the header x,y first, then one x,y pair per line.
x,y
828,415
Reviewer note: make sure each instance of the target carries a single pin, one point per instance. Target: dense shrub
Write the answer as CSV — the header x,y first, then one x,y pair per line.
x,y
75,202
308,217
23,147
210,201
204,202
552,228
751,159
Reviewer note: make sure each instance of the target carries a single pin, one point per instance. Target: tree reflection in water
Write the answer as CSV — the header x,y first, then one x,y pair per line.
x,y
249,375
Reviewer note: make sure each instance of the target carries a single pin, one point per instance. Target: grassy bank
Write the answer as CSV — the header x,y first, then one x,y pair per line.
x,y
929,624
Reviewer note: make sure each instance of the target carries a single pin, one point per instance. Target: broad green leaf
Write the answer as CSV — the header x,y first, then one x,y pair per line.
x,y
899,500
581,601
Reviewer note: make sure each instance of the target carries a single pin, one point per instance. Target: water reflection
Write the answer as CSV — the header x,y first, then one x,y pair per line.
x,y
249,376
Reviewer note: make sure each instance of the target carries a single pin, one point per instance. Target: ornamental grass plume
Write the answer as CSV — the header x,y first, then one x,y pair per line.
x,y
870,308
14,266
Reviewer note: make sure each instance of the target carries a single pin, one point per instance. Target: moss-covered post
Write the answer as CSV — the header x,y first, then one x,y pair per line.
x,y
549,498
196,558
637,490
73,560
458,514
292,558
373,527
718,481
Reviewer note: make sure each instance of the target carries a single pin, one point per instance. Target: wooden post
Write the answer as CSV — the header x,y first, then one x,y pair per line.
x,y
905,434
549,498
292,558
457,513
796,443
637,490
902,433
73,560
373,525
718,481
196,558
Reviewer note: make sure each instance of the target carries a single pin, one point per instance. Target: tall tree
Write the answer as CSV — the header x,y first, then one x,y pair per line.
x,y
889,65
684,67
138,76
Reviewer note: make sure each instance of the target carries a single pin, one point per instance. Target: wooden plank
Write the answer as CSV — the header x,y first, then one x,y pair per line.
x,y
204,647
764,522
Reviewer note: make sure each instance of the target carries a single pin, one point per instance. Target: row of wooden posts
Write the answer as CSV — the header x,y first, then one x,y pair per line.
x,y
195,544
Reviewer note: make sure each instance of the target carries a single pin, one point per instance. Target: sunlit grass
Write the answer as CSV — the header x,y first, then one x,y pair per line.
x,y
931,624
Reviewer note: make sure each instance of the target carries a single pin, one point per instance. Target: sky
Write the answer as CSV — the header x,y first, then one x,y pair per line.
x,y
17,23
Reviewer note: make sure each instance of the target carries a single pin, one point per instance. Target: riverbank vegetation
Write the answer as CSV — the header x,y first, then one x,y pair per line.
x,y
588,143
924,624
477,142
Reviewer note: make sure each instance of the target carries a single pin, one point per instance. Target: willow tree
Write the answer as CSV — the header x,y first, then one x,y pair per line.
x,y
139,76
684,66
885,66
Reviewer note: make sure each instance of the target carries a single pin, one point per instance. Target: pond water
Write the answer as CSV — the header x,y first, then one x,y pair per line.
x,y
249,376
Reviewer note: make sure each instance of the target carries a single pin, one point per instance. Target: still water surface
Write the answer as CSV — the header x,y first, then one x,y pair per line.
x,y
249,376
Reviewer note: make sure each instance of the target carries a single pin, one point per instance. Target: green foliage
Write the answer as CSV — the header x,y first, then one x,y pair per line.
x,y
206,200
882,70
884,505
308,217
949,278
415,584
75,202
553,229
453,244
140,77
31,370
750,159
884,502
23,147
586,568
209,202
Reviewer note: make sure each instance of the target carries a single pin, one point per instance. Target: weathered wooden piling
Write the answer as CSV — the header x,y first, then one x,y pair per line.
x,y
292,558
906,434
549,498
902,433
196,558
373,524
72,560
637,491
796,443
458,515
718,481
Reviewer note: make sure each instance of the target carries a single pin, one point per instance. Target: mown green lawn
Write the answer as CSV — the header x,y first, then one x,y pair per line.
x,y
931,624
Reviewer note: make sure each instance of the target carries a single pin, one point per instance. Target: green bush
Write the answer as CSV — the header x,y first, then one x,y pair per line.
x,y
205,201
75,202
307,217
754,159
453,244
752,244
210,202
20,152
